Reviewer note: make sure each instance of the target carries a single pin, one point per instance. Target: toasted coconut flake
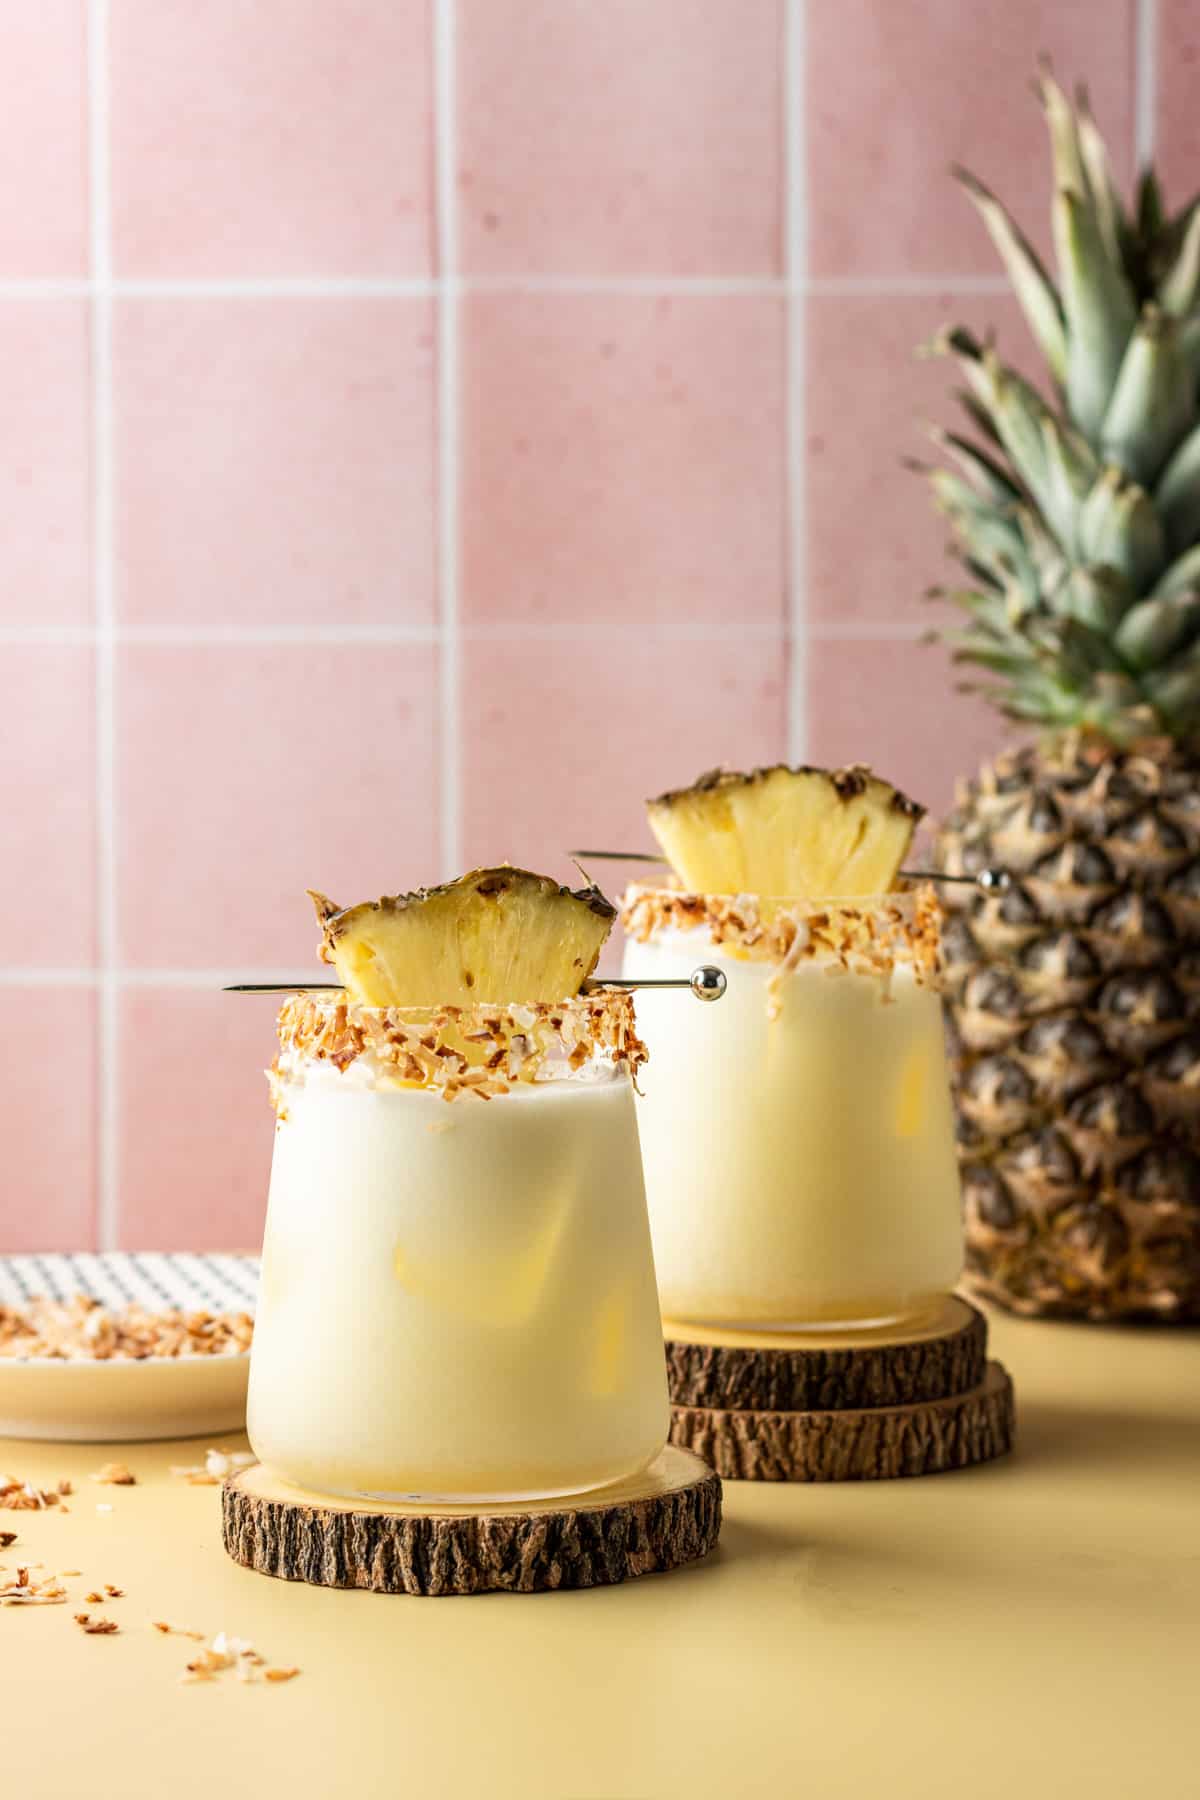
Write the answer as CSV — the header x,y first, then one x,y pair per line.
x,y
7,1538
280,1674
24,1496
80,1329
115,1474
21,1591
195,1474
458,1050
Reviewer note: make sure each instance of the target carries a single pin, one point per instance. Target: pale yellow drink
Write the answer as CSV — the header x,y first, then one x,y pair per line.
x,y
458,1296
797,1139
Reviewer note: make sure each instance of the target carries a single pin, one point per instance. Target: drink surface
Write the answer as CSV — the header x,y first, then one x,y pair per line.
x,y
797,1141
457,1298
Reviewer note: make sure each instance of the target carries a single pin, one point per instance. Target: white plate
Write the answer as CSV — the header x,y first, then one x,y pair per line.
x,y
106,1402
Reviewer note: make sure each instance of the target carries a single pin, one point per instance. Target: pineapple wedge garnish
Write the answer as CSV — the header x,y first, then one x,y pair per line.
x,y
801,833
493,936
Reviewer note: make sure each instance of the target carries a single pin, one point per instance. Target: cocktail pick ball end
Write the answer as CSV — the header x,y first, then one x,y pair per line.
x,y
708,983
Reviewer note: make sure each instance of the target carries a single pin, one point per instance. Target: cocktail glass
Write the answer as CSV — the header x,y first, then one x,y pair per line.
x,y
798,1141
458,1299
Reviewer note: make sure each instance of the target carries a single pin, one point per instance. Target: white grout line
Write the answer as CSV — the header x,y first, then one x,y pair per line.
x,y
49,978
866,631
107,1074
795,262
847,287
213,980
420,287
1145,80
646,631
33,287
193,636
268,287
48,634
189,637
446,216
623,284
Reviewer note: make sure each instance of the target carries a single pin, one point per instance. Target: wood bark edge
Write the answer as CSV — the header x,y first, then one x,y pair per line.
x,y
814,1379
868,1445
432,1554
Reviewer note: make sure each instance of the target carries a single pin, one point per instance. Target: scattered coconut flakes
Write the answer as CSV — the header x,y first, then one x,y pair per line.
x,y
93,1599
216,1466
195,1476
211,1660
176,1631
25,1496
7,1538
97,1627
80,1329
115,1474
114,1593
49,1591
224,1652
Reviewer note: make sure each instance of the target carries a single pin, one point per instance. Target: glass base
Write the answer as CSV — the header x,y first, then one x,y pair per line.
x,y
510,1497
906,1320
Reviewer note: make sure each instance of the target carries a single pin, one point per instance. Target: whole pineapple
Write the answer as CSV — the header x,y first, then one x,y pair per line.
x,y
1075,994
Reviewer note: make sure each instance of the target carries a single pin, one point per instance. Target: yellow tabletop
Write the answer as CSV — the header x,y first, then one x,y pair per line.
x,y
1027,1629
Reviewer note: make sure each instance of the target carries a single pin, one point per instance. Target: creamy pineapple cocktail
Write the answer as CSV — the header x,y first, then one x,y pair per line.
x,y
799,1153
458,1297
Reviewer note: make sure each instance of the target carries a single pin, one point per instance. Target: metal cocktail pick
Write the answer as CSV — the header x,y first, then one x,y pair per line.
x,y
705,983
992,881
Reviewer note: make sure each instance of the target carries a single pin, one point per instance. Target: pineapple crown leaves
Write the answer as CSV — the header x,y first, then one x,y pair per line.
x,y
1078,517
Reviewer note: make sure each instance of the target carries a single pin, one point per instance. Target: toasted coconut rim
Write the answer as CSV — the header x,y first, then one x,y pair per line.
x,y
870,936
455,1050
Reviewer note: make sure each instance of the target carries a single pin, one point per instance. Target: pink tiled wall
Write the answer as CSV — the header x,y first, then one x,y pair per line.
x,y
426,426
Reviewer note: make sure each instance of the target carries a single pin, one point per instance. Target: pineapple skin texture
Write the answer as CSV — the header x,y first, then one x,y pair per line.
x,y
1073,1006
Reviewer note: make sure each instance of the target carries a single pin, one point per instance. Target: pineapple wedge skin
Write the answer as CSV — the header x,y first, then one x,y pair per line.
x,y
799,833
494,936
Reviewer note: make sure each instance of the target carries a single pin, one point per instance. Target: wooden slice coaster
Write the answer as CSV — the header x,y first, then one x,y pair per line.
x,y
667,1516
786,1372
865,1444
